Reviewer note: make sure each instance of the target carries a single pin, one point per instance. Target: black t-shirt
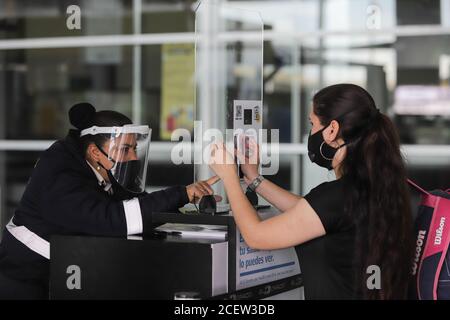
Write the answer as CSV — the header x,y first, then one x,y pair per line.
x,y
327,262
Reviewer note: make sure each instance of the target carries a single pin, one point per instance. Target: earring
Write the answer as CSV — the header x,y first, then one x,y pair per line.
x,y
98,168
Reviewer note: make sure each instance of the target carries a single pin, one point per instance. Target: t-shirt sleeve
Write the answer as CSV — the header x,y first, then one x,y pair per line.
x,y
327,201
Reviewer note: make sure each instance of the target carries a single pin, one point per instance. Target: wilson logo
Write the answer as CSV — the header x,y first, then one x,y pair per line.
x,y
419,245
438,238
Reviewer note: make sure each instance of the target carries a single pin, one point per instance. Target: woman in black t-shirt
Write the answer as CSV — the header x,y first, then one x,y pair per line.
x,y
347,230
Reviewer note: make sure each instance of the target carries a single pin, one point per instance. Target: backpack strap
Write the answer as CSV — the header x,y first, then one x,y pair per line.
x,y
428,199
415,185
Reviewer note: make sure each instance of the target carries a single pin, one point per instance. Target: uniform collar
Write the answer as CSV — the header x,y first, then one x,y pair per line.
x,y
101,181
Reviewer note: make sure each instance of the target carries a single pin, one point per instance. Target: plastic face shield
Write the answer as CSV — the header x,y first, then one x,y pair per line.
x,y
127,150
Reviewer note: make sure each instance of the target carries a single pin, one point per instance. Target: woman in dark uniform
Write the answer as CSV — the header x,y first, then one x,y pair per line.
x,y
91,183
342,229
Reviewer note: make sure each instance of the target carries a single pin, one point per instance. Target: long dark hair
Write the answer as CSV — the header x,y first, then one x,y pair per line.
x,y
83,115
374,176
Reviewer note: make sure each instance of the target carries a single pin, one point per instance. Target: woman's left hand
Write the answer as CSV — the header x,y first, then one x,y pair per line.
x,y
222,161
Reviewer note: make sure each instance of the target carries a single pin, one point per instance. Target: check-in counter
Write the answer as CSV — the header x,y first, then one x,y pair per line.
x,y
158,267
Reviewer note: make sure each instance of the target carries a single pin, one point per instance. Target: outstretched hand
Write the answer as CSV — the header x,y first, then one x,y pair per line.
x,y
199,189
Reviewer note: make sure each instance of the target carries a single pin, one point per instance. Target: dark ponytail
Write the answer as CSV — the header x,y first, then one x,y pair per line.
x,y
83,115
374,176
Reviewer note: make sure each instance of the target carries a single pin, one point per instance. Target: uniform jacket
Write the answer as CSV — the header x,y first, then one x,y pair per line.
x,y
63,197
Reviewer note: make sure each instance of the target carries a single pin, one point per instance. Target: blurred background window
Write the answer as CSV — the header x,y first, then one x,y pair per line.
x,y
137,57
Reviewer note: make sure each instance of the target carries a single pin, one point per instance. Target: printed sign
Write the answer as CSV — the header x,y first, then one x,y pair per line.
x,y
247,122
255,267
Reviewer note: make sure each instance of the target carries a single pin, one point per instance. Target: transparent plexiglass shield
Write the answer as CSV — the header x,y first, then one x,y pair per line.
x,y
127,150
228,78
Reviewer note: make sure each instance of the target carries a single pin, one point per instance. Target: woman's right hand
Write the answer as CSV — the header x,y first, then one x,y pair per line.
x,y
249,162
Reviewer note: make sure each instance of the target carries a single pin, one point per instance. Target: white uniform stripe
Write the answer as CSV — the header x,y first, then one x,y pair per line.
x,y
133,216
30,239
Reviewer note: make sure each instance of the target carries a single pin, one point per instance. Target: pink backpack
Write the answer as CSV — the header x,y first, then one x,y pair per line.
x,y
431,266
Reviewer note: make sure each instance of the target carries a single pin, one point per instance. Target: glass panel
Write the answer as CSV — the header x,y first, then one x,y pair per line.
x,y
168,16
407,76
285,15
168,88
228,76
332,15
339,15
409,80
348,15
38,87
23,19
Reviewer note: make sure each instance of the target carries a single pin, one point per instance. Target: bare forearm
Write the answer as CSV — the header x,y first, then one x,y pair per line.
x,y
282,199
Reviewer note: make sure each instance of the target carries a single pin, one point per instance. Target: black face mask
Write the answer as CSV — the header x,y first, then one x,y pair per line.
x,y
125,184
319,151
127,176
